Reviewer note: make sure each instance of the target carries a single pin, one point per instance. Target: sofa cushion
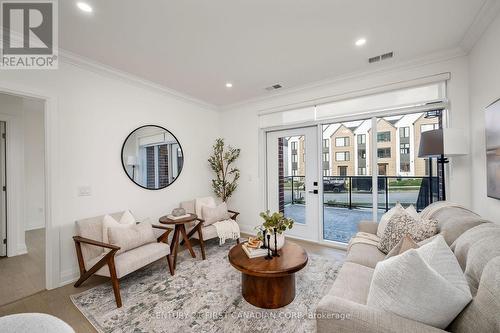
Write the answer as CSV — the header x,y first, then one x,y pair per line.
x,y
131,237
454,221
406,243
126,220
353,283
384,220
365,254
475,248
214,214
130,261
200,202
92,228
402,224
425,284
482,314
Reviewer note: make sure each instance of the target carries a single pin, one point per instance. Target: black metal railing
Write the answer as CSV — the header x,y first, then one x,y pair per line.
x,y
355,192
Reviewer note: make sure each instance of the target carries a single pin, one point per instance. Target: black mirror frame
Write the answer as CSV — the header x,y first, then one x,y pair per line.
x,y
125,168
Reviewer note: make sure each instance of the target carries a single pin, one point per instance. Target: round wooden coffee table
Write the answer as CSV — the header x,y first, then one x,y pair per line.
x,y
269,284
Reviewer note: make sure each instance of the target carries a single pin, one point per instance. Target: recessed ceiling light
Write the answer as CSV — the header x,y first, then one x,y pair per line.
x,y
361,42
84,7
229,85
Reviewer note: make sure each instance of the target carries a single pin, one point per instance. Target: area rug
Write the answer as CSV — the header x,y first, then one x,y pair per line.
x,y
203,296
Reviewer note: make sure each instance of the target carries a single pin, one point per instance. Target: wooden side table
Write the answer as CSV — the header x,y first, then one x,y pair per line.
x,y
179,228
269,284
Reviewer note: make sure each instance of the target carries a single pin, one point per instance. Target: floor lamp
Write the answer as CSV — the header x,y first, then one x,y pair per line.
x,y
441,143
132,161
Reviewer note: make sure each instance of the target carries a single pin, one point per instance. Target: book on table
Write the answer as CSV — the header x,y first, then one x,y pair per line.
x,y
177,217
254,252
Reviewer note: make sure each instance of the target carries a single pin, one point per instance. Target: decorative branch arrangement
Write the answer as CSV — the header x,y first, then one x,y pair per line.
x,y
226,175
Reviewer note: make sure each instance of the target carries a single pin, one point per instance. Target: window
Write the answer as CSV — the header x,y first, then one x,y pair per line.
x,y
326,157
294,158
384,153
342,142
405,167
294,145
326,143
383,136
404,148
156,170
361,139
294,172
362,154
342,171
404,132
342,156
326,172
428,127
362,171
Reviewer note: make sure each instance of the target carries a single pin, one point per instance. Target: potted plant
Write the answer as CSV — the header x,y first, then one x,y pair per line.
x,y
275,222
221,162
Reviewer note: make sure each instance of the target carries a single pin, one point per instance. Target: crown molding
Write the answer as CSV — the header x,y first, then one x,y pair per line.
x,y
99,68
485,16
387,69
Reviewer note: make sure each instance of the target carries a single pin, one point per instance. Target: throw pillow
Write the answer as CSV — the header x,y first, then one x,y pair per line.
x,y
403,224
406,243
200,202
424,284
132,237
215,214
413,212
108,221
386,217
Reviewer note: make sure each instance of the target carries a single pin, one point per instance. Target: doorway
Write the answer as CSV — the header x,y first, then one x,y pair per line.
x,y
22,206
292,179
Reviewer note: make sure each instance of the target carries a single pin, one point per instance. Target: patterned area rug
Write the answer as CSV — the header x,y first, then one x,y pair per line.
x,y
203,296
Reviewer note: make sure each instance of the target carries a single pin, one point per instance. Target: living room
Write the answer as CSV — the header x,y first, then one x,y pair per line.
x,y
229,126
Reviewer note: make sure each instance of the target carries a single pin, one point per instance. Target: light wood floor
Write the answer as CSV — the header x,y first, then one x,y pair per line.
x,y
57,302
24,275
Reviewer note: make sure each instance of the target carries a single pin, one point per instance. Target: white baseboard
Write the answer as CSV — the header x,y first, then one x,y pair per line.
x,y
21,249
68,276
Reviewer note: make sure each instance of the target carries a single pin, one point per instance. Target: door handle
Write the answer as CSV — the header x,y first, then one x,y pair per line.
x,y
314,191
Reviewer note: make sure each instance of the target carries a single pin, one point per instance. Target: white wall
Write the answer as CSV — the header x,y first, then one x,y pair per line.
x,y
96,112
484,64
245,134
34,164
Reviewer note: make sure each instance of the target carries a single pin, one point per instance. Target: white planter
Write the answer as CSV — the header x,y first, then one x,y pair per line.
x,y
280,241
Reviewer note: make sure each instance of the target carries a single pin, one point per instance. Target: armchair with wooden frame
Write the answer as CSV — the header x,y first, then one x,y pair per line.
x,y
96,257
198,230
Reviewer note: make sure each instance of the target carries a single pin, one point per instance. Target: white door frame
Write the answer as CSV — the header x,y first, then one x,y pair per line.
x,y
310,230
52,241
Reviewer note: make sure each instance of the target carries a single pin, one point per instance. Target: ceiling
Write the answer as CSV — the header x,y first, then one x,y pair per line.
x,y
196,46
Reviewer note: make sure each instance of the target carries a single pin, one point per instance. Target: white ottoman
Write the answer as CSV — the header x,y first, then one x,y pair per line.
x,y
33,322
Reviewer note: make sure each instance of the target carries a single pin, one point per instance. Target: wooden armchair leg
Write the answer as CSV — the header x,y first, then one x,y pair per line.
x,y
202,243
170,264
115,282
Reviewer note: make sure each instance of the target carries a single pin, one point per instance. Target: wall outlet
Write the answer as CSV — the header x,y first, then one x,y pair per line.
x,y
84,191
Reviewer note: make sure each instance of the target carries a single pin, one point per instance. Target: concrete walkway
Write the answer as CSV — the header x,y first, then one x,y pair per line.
x,y
340,224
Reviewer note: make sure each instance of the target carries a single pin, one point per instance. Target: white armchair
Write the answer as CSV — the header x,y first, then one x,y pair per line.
x,y
198,230
97,257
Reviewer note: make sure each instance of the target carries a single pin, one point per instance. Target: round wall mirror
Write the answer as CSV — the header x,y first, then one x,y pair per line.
x,y
152,157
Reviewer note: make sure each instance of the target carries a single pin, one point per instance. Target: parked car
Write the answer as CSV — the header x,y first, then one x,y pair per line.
x,y
334,185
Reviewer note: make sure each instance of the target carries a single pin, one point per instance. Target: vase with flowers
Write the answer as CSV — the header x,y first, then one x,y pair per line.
x,y
275,224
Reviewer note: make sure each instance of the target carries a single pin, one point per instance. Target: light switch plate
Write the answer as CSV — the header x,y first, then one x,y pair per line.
x,y
84,191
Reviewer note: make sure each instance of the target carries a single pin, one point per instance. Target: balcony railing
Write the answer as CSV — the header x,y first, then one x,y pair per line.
x,y
355,192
